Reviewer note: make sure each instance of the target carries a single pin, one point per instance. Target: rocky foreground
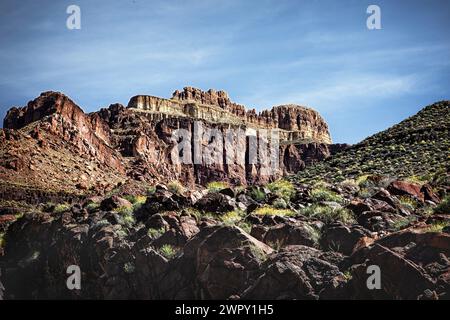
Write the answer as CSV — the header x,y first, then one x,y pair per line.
x,y
282,241
99,191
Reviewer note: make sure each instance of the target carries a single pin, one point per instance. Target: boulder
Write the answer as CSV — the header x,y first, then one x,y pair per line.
x,y
298,272
227,260
342,238
400,188
216,202
284,234
115,202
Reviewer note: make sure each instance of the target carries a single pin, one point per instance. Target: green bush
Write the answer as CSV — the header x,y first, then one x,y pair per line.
x,y
216,186
231,217
91,206
60,208
175,187
282,188
437,226
167,251
155,233
408,202
280,203
322,194
129,267
247,227
328,214
257,194
258,253
443,207
267,210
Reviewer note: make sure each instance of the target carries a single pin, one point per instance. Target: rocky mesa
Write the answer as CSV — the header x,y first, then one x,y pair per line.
x,y
50,147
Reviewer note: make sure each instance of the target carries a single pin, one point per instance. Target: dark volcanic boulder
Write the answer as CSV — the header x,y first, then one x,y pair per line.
x,y
342,238
412,264
216,202
284,234
299,272
115,202
227,260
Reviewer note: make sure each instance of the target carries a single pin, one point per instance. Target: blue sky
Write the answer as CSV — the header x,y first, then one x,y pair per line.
x,y
315,53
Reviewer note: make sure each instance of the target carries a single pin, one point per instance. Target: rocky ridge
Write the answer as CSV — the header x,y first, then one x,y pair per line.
x,y
51,146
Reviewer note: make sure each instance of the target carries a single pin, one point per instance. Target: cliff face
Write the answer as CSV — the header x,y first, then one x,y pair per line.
x,y
52,145
295,122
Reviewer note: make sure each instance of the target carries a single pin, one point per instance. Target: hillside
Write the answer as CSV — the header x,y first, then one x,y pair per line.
x,y
416,148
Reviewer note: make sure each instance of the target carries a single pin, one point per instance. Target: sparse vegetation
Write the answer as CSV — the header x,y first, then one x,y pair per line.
x,y
403,223
231,217
247,227
437,226
167,251
408,202
92,206
280,203
257,194
175,187
258,253
319,194
216,186
282,188
155,233
267,210
328,214
2,239
129,267
60,208
443,207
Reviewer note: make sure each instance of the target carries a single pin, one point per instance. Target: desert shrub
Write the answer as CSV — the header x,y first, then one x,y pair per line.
x,y
124,210
282,188
362,180
258,253
328,214
129,267
280,203
60,208
350,183
239,189
128,220
175,187
139,199
121,233
322,194
247,227
443,207
231,217
101,223
216,186
257,194
91,206
365,193
417,179
151,190
437,226
167,251
267,210
155,233
408,202
403,223
125,215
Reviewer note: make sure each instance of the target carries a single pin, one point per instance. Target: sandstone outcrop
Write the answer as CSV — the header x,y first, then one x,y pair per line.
x,y
99,151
